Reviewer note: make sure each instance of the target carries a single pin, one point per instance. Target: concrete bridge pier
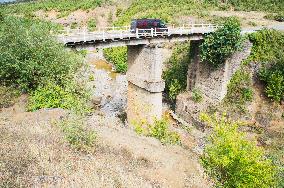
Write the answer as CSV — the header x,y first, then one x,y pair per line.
x,y
145,84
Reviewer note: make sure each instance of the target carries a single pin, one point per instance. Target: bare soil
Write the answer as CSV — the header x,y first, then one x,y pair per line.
x,y
248,19
34,153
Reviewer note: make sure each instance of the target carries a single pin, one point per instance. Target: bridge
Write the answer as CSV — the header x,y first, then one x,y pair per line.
x,y
145,62
123,36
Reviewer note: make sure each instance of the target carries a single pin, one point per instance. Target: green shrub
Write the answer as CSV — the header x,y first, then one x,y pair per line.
x,y
232,160
268,49
220,45
273,76
77,134
74,25
118,57
240,88
51,95
197,95
30,56
175,75
268,45
159,129
92,24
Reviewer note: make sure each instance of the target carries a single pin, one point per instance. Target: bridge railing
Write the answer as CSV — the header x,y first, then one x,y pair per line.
x,y
124,32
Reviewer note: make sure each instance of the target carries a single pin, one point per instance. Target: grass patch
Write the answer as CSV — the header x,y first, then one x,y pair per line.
x,y
65,7
77,134
159,129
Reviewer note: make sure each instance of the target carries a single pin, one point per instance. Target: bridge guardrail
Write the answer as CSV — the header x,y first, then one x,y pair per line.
x,y
124,32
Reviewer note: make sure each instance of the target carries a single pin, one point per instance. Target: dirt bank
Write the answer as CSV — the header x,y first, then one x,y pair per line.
x,y
34,153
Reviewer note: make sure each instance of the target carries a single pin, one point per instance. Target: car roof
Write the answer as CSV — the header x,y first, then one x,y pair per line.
x,y
143,19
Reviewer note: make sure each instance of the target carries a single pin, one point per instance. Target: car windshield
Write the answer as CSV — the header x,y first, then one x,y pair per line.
x,y
163,24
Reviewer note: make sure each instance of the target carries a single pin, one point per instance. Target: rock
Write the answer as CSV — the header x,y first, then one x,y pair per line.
x,y
96,100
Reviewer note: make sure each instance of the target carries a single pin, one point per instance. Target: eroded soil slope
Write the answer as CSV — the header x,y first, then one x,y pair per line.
x,y
34,153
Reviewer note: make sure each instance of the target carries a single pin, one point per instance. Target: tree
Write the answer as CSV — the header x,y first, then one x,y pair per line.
x,y
30,56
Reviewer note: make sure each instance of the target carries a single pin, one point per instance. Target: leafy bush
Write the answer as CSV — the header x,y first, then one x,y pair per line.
x,y
240,88
268,49
220,45
92,24
78,135
117,56
30,57
268,45
197,95
159,129
176,74
232,160
51,95
273,75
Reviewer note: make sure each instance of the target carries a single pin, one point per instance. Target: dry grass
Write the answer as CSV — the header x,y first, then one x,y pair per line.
x,y
34,153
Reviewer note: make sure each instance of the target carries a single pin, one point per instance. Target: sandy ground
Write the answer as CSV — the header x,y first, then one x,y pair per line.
x,y
34,153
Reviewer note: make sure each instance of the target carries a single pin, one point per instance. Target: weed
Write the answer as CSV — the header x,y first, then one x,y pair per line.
x,y
77,134
159,129
197,95
92,24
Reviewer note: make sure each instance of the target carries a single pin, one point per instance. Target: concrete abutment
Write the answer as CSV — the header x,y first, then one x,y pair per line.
x,y
211,82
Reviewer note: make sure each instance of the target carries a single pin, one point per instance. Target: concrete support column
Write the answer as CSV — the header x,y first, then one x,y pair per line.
x,y
145,84
194,64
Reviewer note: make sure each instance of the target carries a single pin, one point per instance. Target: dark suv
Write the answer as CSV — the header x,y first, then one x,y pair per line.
x,y
148,24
